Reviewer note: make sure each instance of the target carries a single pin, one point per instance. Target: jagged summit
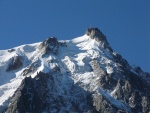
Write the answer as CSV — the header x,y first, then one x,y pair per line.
x,y
96,34
82,75
49,45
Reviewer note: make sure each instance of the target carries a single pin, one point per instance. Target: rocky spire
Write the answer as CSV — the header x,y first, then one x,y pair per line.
x,y
96,34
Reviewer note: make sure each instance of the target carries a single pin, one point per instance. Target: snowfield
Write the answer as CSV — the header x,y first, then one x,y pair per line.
x,y
76,61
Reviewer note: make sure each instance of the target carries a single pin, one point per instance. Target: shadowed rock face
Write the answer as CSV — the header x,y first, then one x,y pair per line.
x,y
30,96
39,94
130,89
15,63
50,45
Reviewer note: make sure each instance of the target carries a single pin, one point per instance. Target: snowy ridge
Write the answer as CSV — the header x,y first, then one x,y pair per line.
x,y
74,58
10,81
83,62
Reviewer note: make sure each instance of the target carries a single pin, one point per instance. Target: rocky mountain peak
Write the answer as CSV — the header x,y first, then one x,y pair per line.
x,y
96,34
82,75
50,45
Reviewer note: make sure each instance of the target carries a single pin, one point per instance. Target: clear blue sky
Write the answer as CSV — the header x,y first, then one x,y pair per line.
x,y
126,23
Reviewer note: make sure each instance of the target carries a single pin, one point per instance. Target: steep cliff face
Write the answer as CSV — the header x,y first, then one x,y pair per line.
x,y
82,75
42,94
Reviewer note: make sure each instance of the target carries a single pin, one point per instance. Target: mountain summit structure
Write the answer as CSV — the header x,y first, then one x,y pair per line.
x,y
82,75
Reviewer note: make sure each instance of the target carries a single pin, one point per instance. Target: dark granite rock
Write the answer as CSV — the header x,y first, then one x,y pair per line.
x,y
15,63
11,50
130,89
145,104
96,34
50,45
135,101
96,68
42,94
31,95
30,69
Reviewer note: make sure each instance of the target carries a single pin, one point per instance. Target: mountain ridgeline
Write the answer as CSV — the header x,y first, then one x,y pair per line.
x,y
82,75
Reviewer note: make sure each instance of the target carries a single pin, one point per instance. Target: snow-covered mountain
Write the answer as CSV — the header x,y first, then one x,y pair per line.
x,y
82,75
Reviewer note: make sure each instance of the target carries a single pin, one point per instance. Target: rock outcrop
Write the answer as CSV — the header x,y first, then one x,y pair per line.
x,y
96,34
41,94
15,63
31,95
11,50
30,69
129,89
50,45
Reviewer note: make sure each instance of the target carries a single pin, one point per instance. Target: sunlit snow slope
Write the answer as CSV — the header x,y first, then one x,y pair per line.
x,y
87,62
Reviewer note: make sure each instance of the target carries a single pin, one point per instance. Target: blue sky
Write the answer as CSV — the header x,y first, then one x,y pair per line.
x,y
126,24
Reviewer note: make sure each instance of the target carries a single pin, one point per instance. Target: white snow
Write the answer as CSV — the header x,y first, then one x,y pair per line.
x,y
7,90
74,59
10,81
109,70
